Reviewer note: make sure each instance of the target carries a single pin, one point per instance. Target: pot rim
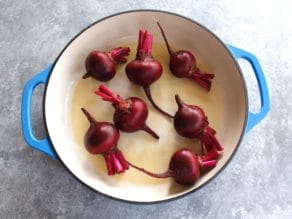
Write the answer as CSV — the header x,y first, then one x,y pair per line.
x,y
165,12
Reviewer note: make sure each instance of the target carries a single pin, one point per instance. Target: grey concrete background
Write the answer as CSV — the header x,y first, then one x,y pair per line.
x,y
257,182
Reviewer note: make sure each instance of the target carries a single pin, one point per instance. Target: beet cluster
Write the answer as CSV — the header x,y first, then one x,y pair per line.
x,y
131,113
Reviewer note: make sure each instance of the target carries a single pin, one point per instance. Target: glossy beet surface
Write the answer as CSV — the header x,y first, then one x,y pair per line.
x,y
130,114
190,121
135,119
102,65
182,64
184,166
102,138
145,70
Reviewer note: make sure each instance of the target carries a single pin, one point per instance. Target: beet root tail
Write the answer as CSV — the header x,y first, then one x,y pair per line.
x,y
149,96
88,116
86,75
166,174
165,39
147,129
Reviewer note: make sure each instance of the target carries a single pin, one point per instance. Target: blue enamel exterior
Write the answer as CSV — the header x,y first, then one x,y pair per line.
x,y
255,118
42,145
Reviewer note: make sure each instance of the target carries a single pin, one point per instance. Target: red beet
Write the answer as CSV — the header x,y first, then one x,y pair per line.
x,y
191,122
182,64
130,114
184,166
102,138
145,70
102,65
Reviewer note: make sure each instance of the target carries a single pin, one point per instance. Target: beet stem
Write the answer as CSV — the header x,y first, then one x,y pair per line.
x,y
122,159
209,163
203,148
211,155
144,44
147,129
89,116
207,143
165,39
140,41
118,54
147,43
115,162
217,144
166,174
109,165
203,79
149,96
108,95
210,129
209,76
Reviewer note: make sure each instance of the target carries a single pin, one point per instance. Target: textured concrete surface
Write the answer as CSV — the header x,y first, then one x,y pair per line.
x,y
256,183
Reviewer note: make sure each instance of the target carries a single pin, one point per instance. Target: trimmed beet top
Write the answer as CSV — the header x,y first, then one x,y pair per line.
x,y
102,65
145,70
182,64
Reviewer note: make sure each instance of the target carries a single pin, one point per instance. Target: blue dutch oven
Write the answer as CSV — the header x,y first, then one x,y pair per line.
x,y
60,79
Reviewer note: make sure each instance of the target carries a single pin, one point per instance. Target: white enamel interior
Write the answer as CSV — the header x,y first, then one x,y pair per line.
x,y
228,86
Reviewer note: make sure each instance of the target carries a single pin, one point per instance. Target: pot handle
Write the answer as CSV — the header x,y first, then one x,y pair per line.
x,y
42,145
255,118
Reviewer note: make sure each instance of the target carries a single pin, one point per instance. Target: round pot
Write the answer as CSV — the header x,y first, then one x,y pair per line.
x,y
229,106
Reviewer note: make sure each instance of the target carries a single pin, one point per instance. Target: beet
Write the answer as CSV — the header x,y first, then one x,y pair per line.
x,y
191,122
102,65
102,138
184,166
182,64
130,114
145,70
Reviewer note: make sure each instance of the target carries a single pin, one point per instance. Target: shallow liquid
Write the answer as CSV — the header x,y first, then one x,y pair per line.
x,y
140,148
